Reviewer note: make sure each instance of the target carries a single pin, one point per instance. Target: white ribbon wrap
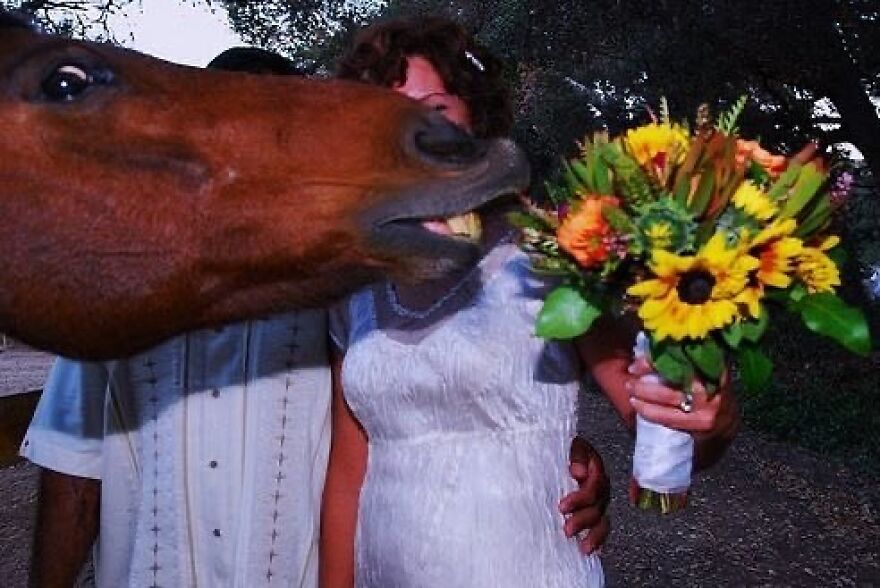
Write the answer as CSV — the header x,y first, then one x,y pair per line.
x,y
663,457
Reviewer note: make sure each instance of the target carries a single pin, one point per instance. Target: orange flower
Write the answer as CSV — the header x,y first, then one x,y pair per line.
x,y
585,233
773,164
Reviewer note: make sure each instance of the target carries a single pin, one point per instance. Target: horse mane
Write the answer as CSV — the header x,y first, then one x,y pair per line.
x,y
16,20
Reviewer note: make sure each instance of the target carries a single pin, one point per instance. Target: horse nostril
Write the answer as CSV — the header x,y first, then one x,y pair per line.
x,y
449,143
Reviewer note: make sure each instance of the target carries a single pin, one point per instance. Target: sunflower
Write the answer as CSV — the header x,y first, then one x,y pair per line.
x,y
692,295
816,269
776,253
754,201
656,144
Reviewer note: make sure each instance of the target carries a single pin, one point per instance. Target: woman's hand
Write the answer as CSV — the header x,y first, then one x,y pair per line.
x,y
712,421
586,507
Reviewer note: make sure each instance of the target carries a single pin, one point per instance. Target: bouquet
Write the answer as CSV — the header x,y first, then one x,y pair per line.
x,y
699,232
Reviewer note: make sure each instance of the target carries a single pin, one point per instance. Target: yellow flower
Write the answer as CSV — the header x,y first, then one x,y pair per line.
x,y
693,295
817,270
751,199
655,144
751,297
776,251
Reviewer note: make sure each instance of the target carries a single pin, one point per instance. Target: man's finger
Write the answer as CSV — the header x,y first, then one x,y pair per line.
x,y
597,536
580,499
582,520
581,452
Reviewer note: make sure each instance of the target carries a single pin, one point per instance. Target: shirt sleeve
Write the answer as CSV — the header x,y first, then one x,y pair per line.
x,y
66,434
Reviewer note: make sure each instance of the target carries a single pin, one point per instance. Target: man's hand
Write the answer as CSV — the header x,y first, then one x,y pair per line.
x,y
586,506
712,421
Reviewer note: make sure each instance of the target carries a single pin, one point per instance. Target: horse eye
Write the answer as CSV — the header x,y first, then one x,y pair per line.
x,y
66,82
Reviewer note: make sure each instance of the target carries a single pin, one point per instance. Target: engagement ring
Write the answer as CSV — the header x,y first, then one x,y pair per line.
x,y
687,402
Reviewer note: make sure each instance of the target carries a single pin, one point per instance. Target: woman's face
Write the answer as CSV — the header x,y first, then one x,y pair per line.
x,y
424,84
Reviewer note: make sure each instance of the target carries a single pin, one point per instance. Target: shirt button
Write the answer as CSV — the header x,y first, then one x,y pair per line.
x,y
215,393
216,532
212,464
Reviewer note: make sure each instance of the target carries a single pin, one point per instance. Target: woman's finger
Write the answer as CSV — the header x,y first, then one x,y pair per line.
x,y
648,391
674,417
640,366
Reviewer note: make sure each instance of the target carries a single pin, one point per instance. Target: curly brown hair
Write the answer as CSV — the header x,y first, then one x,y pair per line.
x,y
468,70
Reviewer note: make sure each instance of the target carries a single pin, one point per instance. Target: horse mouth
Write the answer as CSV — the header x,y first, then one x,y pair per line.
x,y
437,228
434,246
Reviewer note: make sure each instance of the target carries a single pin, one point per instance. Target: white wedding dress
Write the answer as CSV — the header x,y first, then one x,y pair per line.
x,y
470,419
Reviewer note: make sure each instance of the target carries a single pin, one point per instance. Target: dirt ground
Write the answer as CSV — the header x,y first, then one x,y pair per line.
x,y
768,515
22,369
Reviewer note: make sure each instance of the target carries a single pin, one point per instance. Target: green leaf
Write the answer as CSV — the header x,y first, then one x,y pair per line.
x,y
727,120
704,232
601,176
618,220
671,362
521,220
828,315
781,187
797,292
753,330
556,193
758,174
837,255
631,181
565,314
582,172
703,194
708,356
778,295
733,334
683,190
571,179
808,183
755,368
816,219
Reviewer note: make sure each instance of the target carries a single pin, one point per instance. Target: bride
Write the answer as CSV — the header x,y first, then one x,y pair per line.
x,y
452,422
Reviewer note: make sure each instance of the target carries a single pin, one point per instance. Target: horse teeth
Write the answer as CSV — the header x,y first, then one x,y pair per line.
x,y
466,225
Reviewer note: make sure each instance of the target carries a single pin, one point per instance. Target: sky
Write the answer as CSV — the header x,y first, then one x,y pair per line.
x,y
175,30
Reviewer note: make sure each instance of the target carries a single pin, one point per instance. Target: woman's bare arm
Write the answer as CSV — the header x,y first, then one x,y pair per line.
x,y
345,476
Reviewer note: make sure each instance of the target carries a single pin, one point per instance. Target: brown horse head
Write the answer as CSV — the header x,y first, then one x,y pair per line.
x,y
139,199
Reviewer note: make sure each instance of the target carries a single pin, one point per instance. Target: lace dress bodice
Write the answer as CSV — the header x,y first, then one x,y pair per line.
x,y
469,418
